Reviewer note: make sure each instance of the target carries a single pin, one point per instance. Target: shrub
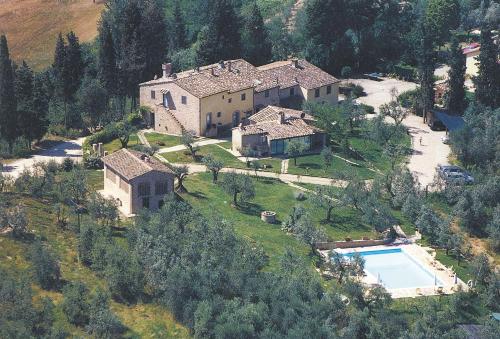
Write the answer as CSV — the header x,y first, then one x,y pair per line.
x,y
358,91
93,161
45,266
75,304
135,118
368,109
67,165
299,195
346,72
62,131
405,72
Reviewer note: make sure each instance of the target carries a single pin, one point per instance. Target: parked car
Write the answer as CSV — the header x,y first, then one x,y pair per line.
x,y
455,174
436,125
445,139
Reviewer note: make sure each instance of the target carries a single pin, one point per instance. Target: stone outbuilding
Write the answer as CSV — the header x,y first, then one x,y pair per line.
x,y
136,180
269,131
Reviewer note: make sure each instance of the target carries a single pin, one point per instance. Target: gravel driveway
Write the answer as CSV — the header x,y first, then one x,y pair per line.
x,y
379,92
432,151
68,149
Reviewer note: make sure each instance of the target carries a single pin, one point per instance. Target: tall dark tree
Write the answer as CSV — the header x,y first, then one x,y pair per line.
x,y
325,25
256,45
205,48
38,127
177,29
426,67
24,97
441,16
223,34
456,79
8,105
487,81
153,27
107,58
73,65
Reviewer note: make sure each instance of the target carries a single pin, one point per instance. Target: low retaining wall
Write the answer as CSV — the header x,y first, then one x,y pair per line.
x,y
322,246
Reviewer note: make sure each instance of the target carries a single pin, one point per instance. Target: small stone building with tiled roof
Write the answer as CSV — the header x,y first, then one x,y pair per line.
x,y
214,98
136,180
269,131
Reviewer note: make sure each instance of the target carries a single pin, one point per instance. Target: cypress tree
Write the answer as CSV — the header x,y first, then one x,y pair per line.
x,y
456,79
40,108
107,58
178,35
24,97
73,66
58,66
8,105
256,46
487,81
223,32
205,48
154,37
426,67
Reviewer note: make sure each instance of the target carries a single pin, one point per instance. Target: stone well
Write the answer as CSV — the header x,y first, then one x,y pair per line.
x,y
268,216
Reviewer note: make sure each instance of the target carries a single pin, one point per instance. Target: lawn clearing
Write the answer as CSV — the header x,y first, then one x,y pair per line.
x,y
219,152
116,145
314,165
163,140
276,196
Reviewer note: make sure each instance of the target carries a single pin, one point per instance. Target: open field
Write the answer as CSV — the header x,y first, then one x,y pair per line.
x,y
32,26
115,145
163,140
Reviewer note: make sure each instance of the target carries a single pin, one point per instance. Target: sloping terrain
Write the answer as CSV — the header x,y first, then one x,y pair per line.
x,y
32,26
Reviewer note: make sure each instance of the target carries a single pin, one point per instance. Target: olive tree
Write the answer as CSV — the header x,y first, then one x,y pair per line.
x,y
294,148
328,198
213,165
238,184
188,140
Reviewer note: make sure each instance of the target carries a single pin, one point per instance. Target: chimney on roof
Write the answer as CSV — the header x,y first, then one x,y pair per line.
x,y
167,69
221,64
296,80
302,115
281,117
213,71
229,64
295,63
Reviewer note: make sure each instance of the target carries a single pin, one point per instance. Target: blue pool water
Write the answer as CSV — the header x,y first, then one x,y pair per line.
x,y
396,269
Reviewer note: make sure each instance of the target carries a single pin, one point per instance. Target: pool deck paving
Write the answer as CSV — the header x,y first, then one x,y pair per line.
x,y
424,256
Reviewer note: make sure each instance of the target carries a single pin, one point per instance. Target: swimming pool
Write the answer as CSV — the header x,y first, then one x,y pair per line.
x,y
394,268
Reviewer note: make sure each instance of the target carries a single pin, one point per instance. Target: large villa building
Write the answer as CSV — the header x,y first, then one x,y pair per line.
x,y
213,99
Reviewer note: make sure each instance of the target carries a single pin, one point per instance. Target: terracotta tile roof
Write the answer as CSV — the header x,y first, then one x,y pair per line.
x,y
236,75
272,113
285,74
279,123
132,164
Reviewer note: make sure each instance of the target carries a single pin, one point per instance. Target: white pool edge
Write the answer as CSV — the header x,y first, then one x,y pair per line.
x,y
421,257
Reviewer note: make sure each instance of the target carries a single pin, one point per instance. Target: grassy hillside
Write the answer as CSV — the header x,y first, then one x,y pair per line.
x,y
32,26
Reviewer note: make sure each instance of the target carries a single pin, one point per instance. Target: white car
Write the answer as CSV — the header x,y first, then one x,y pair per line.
x,y
445,139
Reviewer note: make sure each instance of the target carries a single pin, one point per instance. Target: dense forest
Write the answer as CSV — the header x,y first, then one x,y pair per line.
x,y
214,282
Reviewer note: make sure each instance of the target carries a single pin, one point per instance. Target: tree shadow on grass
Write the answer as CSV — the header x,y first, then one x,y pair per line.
x,y
249,208
309,165
198,195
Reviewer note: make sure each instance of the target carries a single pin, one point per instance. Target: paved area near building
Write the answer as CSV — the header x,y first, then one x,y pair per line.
x,y
428,150
379,92
68,149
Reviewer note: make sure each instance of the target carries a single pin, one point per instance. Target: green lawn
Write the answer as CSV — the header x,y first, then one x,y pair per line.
x,y
115,145
142,319
368,155
163,140
227,158
273,195
314,165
